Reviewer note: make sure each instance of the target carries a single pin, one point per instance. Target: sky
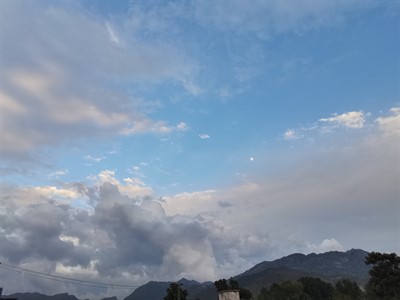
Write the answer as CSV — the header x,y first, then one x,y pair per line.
x,y
155,140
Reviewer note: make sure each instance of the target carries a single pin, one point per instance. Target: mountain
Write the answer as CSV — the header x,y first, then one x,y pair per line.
x,y
38,296
329,266
157,290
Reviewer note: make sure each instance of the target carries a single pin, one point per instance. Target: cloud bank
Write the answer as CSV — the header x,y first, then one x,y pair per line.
x,y
119,231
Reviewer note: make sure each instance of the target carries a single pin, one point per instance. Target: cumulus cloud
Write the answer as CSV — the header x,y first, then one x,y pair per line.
x,y
114,227
352,119
119,233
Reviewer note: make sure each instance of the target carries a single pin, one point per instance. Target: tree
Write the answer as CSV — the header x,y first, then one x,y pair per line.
x,y
346,289
224,285
317,289
175,292
384,281
221,285
286,290
245,294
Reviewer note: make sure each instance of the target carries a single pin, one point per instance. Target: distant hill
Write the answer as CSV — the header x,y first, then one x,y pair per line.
x,y
38,296
329,266
157,290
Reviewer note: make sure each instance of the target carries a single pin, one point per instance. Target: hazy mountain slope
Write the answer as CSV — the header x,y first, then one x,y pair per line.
x,y
157,290
330,266
38,296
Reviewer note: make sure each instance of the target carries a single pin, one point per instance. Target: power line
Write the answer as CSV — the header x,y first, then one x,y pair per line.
x,y
9,267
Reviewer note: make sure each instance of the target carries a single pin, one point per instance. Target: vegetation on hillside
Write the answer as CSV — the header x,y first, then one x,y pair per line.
x,y
223,285
384,283
176,292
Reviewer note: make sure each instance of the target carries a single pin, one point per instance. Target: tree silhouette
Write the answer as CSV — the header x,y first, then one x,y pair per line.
x,y
175,292
224,285
384,282
346,289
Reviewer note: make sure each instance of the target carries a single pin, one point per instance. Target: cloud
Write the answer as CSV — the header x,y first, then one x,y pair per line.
x,y
161,127
204,136
119,235
325,246
352,119
120,227
390,125
61,85
182,127
290,134
58,174
113,36
94,158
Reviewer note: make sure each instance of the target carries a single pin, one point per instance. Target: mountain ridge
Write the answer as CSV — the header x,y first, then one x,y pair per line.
x,y
329,266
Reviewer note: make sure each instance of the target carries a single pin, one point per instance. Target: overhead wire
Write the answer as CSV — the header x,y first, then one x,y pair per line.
x,y
64,279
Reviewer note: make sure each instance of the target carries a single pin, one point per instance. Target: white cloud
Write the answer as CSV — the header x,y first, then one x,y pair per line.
x,y
147,125
132,187
55,192
58,174
184,203
204,136
352,119
325,246
390,125
182,127
113,36
290,134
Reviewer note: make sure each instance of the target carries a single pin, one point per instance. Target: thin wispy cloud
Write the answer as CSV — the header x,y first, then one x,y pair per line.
x,y
113,36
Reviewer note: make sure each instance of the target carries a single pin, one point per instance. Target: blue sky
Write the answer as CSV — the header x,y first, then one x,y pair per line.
x,y
272,126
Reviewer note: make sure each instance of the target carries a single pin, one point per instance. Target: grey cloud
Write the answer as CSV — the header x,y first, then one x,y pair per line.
x,y
117,237
35,231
